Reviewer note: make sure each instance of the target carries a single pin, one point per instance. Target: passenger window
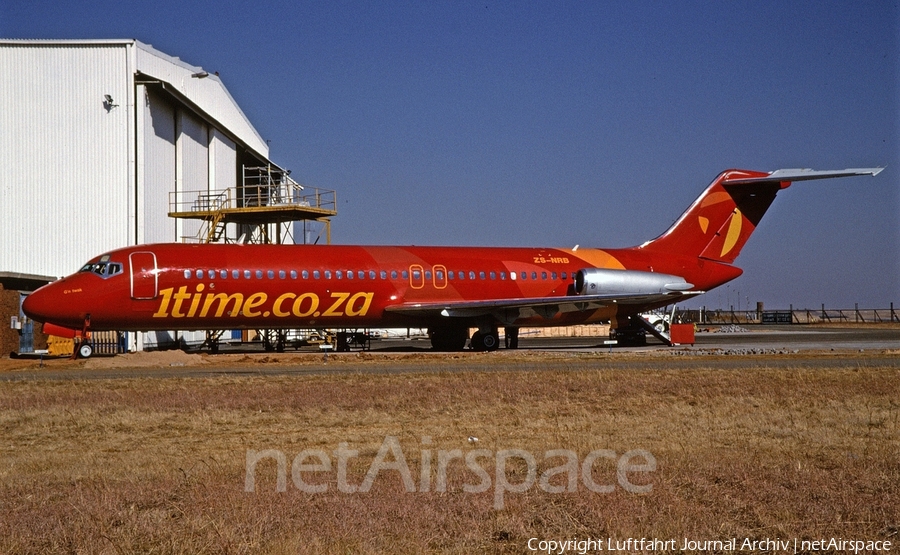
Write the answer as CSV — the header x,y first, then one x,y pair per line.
x,y
316,274
327,274
502,276
393,274
338,274
293,274
259,274
270,274
383,274
235,274
223,274
304,274
533,275
417,275
281,274
451,274
187,274
349,274
199,274
405,274
493,275
481,275
428,275
524,275
543,275
553,275
564,276
471,275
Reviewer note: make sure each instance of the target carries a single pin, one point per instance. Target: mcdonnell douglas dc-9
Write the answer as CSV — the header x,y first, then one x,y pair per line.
x,y
448,290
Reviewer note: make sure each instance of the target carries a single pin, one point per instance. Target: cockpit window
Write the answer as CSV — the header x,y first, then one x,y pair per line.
x,y
102,269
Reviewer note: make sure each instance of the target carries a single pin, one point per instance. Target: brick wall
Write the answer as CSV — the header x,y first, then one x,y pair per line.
x,y
9,338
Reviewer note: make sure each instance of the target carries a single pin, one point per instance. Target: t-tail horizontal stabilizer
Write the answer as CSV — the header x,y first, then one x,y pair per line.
x,y
804,174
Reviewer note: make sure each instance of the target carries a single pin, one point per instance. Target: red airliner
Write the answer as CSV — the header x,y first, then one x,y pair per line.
x,y
445,289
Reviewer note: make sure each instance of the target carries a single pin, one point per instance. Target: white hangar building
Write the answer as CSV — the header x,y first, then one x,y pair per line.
x,y
94,137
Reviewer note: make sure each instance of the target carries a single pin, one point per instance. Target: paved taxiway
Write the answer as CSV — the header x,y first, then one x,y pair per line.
x,y
770,347
758,337
767,338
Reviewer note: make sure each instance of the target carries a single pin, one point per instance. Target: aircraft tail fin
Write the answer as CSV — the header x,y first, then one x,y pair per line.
x,y
717,225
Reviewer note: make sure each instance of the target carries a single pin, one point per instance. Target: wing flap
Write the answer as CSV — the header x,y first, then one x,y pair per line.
x,y
509,310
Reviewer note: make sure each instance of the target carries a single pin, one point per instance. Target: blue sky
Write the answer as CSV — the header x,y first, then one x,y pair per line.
x,y
561,123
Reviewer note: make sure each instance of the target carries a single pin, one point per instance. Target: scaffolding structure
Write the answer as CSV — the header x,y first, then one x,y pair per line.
x,y
266,208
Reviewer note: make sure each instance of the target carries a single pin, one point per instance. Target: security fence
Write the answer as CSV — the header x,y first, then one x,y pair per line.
x,y
821,315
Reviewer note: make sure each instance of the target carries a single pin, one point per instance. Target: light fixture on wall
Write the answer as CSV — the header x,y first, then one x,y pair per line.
x,y
108,102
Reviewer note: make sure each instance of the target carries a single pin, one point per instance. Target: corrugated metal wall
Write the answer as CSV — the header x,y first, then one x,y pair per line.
x,y
191,163
156,173
222,161
222,167
64,155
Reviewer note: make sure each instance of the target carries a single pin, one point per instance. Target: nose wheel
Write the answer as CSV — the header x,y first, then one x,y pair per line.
x,y
85,349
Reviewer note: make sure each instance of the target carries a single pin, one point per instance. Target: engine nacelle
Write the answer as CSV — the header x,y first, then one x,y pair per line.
x,y
600,281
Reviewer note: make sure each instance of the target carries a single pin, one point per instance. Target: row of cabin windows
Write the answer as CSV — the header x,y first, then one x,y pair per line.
x,y
370,274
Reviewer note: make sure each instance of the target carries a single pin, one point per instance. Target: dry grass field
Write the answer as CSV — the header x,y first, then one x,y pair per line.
x,y
747,450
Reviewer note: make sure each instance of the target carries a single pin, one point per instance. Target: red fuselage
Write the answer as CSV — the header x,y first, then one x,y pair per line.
x,y
178,286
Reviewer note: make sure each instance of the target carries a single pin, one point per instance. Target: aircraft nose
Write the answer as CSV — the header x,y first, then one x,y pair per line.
x,y
45,305
36,305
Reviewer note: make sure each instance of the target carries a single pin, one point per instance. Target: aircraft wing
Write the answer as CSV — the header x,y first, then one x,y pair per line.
x,y
510,310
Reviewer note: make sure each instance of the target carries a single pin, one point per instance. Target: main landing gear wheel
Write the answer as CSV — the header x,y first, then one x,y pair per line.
x,y
85,350
448,339
485,341
629,333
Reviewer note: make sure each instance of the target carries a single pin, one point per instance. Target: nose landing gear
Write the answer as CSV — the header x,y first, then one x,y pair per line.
x,y
84,348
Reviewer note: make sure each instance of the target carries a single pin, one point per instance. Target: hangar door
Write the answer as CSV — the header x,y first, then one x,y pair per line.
x,y
144,276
